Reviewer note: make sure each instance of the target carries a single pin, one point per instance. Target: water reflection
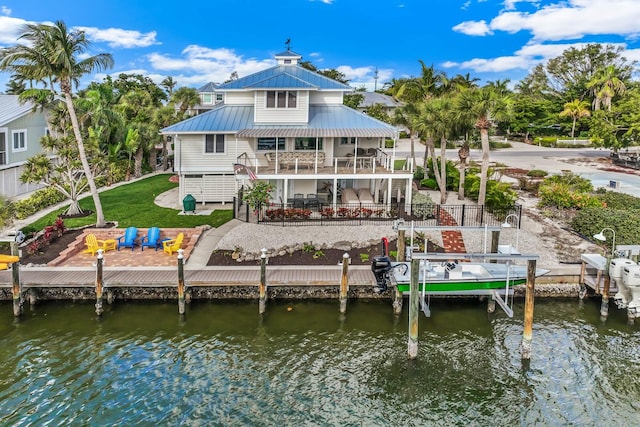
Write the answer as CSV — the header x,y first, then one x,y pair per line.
x,y
223,363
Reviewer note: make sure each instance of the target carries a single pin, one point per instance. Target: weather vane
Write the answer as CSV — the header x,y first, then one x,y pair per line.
x,y
288,43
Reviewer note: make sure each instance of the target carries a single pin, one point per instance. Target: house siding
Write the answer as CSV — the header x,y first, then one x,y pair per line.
x,y
193,159
211,188
238,98
35,125
300,114
325,98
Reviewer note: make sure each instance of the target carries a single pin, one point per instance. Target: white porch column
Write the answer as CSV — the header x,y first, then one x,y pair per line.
x,y
408,196
335,192
285,190
389,187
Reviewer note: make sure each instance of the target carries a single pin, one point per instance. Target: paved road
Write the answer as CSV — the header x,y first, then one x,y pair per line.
x,y
553,160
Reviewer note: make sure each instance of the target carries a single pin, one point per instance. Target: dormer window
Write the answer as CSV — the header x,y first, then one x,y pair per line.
x,y
207,98
287,61
282,99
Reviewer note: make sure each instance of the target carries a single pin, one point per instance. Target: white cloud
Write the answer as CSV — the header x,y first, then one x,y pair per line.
x,y
200,64
10,29
523,59
5,10
473,28
323,1
364,76
574,20
117,37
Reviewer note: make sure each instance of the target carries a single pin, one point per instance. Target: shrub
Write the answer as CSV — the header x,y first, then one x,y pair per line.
x,y
422,205
575,182
614,200
39,200
429,183
626,223
418,174
563,196
537,173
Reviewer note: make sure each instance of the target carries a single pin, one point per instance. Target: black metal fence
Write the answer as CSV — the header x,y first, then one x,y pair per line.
x,y
426,215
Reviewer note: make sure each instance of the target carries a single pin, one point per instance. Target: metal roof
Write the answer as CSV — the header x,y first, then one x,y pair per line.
x,y
371,98
324,121
284,80
209,87
312,79
222,118
11,108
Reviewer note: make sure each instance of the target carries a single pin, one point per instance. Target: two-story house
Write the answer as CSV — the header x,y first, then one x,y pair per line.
x,y
287,125
20,131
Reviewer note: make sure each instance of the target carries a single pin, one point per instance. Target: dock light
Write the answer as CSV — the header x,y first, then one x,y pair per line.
x,y
600,236
506,224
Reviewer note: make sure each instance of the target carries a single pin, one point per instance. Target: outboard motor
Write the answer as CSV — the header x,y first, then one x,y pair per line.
x,y
381,266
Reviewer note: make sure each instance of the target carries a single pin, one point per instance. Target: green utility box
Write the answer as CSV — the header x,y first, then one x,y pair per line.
x,y
189,204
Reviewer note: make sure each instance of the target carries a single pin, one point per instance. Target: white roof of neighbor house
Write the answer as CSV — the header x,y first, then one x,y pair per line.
x,y
324,121
371,98
11,108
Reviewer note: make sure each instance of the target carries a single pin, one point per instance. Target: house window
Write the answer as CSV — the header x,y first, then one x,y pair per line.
x,y
19,140
269,144
282,99
219,98
214,144
3,148
207,98
347,140
308,143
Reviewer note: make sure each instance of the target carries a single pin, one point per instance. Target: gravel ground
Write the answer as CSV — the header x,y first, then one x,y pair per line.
x,y
556,246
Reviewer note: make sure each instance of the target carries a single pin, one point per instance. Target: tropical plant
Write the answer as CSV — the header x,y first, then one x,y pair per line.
x,y
575,109
483,107
604,85
258,194
53,53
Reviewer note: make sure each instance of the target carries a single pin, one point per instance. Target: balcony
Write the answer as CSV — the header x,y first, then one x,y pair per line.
x,y
311,163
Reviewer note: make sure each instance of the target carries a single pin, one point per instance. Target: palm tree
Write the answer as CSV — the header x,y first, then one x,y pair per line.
x,y
186,98
404,116
168,83
575,109
52,53
483,106
604,85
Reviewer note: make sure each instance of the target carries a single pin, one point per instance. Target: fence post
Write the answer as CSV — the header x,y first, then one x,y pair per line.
x,y
438,215
235,207
463,213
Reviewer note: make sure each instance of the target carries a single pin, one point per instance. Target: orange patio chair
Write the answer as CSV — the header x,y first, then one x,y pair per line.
x,y
172,245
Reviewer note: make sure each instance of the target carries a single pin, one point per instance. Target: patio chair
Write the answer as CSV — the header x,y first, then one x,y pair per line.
x,y
172,245
93,244
129,238
152,239
313,201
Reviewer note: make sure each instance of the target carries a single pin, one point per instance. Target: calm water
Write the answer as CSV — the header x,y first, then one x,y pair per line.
x,y
222,365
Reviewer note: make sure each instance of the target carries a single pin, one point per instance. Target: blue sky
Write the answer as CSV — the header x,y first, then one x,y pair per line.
x,y
202,41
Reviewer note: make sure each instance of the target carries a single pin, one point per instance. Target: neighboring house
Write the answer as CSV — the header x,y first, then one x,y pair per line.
x,y
371,98
20,131
208,99
288,125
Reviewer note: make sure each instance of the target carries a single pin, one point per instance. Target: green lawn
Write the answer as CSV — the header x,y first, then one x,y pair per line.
x,y
132,205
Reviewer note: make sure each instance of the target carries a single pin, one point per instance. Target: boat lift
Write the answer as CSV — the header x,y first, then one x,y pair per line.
x,y
503,297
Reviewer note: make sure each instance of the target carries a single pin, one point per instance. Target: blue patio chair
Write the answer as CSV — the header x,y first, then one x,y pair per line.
x,y
152,239
129,238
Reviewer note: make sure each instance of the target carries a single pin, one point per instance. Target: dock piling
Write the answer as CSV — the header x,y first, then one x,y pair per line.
x,y
344,283
16,288
528,310
604,304
412,349
262,288
99,284
181,303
